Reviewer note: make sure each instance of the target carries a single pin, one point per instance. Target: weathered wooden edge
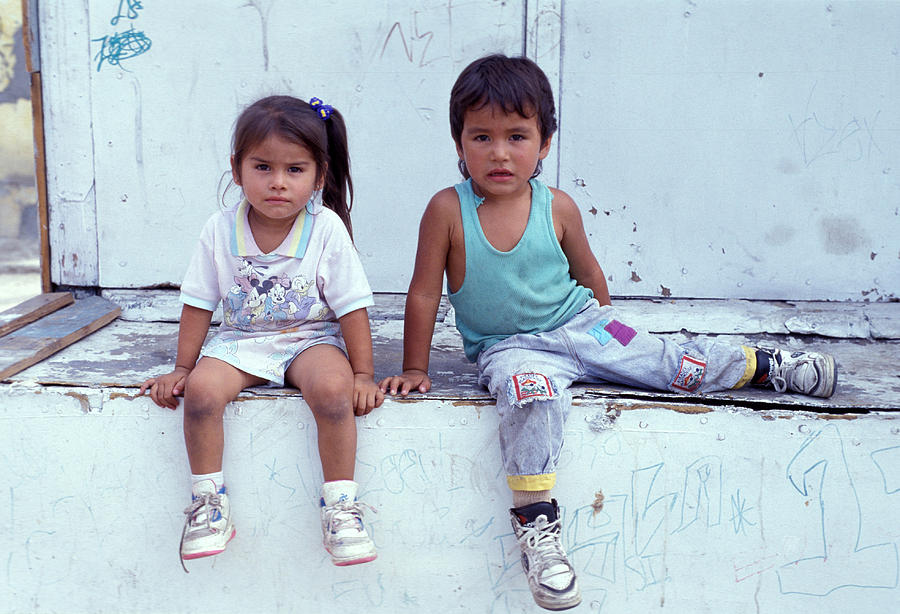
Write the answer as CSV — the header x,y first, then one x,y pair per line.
x,y
33,309
56,345
33,65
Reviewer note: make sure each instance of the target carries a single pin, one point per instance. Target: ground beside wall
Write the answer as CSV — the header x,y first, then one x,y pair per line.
x,y
741,502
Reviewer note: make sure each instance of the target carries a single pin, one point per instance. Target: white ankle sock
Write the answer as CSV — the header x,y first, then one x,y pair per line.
x,y
521,498
201,482
332,492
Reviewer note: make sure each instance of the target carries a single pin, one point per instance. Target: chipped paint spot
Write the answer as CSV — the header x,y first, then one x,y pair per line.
x,y
593,211
82,398
603,421
635,277
666,292
597,504
124,395
872,256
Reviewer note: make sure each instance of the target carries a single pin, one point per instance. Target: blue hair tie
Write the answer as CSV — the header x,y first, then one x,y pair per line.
x,y
324,110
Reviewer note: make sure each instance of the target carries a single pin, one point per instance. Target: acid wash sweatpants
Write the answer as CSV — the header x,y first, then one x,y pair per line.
x,y
530,375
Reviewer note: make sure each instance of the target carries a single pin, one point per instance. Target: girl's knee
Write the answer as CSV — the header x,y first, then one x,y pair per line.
x,y
202,399
330,400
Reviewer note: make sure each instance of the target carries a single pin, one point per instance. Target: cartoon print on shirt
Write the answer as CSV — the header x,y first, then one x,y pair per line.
x,y
248,269
255,299
298,301
232,307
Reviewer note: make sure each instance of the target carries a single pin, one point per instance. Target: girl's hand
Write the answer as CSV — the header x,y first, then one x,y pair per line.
x,y
165,388
366,394
409,380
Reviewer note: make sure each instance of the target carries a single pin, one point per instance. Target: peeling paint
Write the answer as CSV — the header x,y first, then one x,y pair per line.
x,y
603,421
597,504
82,398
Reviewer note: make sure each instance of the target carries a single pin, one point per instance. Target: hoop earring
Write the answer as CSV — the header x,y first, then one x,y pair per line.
x,y
316,199
538,169
461,165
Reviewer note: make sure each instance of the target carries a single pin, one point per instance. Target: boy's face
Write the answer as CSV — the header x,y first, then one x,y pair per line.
x,y
501,149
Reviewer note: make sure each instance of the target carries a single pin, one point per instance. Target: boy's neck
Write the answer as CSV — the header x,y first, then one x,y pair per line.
x,y
520,196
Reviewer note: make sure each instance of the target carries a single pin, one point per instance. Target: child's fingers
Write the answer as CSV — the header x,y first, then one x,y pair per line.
x,y
390,383
146,385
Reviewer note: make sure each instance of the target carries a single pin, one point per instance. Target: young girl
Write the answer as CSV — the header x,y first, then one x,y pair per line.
x,y
294,299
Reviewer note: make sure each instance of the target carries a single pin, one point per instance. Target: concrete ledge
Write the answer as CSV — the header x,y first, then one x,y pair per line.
x,y
681,507
739,503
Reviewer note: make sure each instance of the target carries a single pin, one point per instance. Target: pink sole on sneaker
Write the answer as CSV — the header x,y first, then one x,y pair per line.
x,y
365,559
199,555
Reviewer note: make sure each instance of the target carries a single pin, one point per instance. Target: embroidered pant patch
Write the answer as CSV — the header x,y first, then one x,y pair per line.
x,y
690,374
526,387
612,329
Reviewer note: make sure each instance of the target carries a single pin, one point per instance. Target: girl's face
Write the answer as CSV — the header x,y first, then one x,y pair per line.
x,y
278,178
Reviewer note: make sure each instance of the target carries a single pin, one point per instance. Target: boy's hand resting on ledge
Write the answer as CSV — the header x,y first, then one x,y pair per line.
x,y
409,380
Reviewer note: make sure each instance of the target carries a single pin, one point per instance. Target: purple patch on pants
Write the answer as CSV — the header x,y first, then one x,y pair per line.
x,y
621,333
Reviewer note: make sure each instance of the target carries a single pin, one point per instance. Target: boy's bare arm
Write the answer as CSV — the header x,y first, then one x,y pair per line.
x,y
583,265
423,300
192,332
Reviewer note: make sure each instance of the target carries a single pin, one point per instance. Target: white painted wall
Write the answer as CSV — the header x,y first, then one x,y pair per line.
x,y
727,511
717,149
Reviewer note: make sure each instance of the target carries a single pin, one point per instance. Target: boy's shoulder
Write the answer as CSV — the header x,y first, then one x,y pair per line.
x,y
447,196
560,195
562,202
444,202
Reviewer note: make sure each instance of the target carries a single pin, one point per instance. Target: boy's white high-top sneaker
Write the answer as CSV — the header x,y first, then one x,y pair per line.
x,y
550,576
207,528
811,373
343,532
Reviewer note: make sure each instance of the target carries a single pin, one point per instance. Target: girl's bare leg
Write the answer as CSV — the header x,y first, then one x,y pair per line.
x,y
210,386
323,375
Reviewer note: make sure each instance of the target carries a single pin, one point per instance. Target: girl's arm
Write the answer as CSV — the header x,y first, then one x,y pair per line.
x,y
583,265
191,335
358,338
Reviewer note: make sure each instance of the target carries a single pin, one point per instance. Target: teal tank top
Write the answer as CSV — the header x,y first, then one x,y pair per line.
x,y
525,290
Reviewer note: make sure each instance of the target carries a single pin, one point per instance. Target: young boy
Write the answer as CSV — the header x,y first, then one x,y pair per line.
x,y
533,307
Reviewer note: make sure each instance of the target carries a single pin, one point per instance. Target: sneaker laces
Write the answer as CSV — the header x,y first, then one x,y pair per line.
x,y
543,538
212,502
345,515
782,371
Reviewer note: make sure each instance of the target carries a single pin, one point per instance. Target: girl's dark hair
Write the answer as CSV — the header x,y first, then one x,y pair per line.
x,y
514,84
294,120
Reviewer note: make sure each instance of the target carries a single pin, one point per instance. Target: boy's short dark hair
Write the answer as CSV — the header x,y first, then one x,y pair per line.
x,y
514,84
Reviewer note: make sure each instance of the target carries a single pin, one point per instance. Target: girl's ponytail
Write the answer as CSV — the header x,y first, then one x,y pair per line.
x,y
337,193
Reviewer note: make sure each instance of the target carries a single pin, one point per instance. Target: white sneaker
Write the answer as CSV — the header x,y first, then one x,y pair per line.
x,y
550,576
811,373
207,528
343,532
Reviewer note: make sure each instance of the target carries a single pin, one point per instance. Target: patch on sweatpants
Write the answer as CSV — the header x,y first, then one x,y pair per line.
x,y
526,387
690,374
612,329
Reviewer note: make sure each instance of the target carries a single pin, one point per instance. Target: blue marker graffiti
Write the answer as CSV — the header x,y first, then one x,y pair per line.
x,y
120,46
131,8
